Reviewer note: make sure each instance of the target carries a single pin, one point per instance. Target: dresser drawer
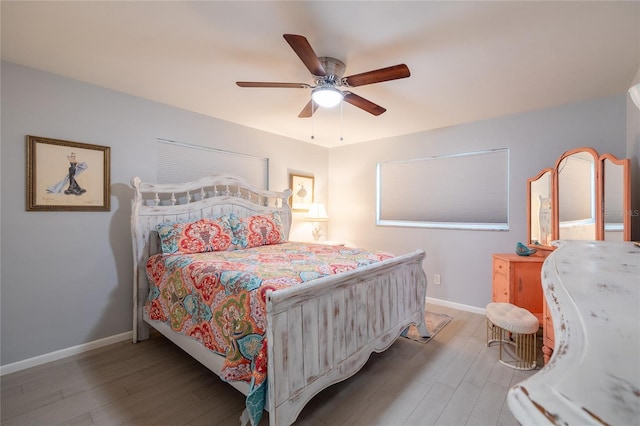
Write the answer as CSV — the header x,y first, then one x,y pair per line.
x,y
501,291
501,266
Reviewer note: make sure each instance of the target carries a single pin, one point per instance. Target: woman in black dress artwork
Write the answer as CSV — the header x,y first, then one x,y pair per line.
x,y
75,168
73,188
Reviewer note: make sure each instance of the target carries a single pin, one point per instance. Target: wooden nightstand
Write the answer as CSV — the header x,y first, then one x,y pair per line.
x,y
516,280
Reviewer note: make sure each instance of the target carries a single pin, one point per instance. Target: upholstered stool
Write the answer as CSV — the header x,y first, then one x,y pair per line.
x,y
517,327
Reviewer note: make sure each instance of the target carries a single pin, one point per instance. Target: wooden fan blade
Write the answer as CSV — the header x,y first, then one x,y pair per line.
x,y
305,52
308,109
363,103
383,74
268,84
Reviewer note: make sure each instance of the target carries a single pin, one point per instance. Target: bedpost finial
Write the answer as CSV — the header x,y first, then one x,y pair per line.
x,y
135,183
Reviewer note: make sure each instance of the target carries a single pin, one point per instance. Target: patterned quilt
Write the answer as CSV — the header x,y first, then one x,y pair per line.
x,y
218,298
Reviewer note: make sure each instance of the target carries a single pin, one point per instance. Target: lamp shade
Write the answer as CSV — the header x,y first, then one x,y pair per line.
x,y
634,90
326,96
317,213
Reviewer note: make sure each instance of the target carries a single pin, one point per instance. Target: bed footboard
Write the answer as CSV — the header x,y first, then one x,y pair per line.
x,y
322,332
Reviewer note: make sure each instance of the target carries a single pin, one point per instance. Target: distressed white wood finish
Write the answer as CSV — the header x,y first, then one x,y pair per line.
x,y
323,331
593,377
319,332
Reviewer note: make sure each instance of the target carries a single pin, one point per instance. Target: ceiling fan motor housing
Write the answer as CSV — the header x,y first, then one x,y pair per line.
x,y
332,67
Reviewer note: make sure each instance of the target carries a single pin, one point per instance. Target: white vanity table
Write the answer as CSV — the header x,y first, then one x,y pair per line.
x,y
593,291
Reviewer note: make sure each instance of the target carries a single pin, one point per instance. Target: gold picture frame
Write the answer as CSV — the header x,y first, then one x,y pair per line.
x,y
67,176
301,192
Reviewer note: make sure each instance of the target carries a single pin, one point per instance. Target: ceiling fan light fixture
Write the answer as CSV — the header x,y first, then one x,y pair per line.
x,y
326,96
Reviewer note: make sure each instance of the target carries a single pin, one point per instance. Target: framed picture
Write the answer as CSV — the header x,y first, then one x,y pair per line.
x,y
302,192
67,176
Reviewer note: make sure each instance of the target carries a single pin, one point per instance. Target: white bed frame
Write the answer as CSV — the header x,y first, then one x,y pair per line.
x,y
318,333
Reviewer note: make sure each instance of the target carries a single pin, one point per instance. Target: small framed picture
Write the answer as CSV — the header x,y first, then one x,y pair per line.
x,y
67,176
301,192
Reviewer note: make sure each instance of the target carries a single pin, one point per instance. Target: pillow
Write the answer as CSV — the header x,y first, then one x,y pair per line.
x,y
196,237
258,230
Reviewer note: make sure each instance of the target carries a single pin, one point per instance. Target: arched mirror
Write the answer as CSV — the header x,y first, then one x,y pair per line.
x,y
616,198
539,199
576,196
585,197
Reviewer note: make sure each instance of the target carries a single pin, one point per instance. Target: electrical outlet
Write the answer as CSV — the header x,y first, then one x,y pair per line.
x,y
436,279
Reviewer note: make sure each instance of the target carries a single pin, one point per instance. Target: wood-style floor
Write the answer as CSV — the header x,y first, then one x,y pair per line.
x,y
455,379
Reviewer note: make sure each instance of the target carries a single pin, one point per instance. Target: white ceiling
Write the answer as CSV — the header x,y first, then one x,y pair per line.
x,y
469,60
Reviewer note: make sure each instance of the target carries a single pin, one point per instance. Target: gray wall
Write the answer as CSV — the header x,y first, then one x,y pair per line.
x,y
66,276
463,258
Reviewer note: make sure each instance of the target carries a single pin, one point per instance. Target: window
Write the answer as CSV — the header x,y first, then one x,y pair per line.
x,y
457,191
181,162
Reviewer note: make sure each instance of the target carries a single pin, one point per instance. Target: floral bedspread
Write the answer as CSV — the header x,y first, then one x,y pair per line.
x,y
218,298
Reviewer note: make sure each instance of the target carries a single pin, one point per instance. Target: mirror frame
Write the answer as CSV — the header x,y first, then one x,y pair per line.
x,y
626,192
599,196
529,183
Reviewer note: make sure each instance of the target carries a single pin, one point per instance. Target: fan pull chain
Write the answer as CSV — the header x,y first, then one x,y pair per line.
x,y
312,114
341,105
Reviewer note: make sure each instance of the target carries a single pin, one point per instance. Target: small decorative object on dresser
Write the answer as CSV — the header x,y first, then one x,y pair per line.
x,y
522,250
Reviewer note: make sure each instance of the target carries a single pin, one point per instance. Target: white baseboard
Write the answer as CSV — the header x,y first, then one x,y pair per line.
x,y
459,306
63,353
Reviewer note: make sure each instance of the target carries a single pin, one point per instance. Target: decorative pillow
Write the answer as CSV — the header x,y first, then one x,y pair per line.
x,y
196,237
259,230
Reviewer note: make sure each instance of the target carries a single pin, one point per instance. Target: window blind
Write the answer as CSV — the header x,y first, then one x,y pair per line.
x,y
183,162
468,190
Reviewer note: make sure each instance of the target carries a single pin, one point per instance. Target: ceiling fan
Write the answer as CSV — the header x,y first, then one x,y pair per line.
x,y
327,76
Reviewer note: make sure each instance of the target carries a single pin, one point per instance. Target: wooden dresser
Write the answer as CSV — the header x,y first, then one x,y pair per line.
x,y
516,280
